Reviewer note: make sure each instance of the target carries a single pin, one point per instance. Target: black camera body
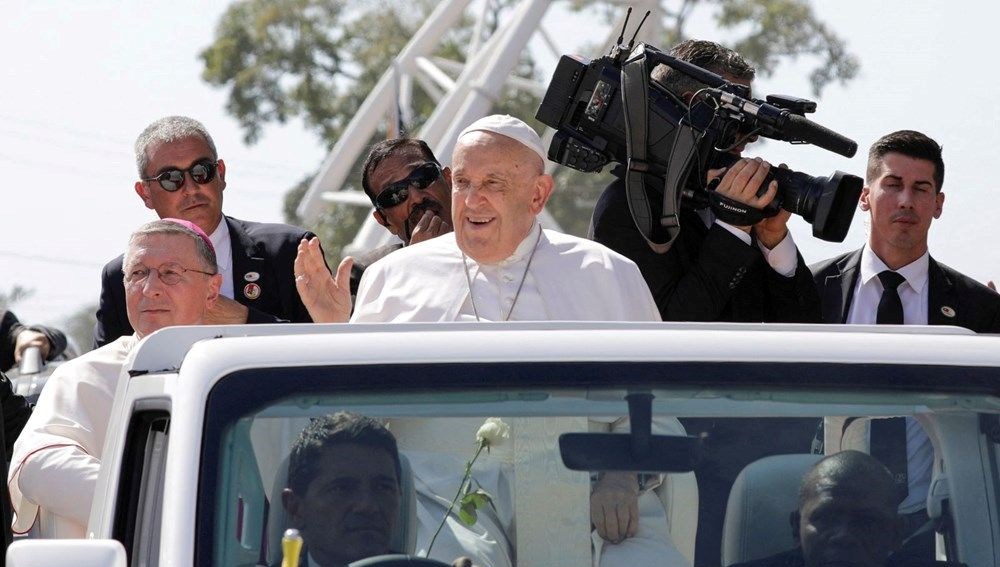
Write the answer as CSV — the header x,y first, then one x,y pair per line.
x,y
611,110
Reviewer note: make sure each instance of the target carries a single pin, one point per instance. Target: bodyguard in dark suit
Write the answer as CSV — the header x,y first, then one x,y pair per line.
x,y
902,196
952,298
181,176
894,280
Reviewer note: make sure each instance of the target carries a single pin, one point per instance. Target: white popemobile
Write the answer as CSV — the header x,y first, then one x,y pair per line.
x,y
196,454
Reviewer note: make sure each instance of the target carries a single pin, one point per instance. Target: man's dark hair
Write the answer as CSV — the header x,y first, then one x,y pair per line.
x,y
707,55
908,143
386,148
341,428
850,468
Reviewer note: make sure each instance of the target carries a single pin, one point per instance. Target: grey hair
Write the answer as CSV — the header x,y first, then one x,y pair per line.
x,y
205,252
169,129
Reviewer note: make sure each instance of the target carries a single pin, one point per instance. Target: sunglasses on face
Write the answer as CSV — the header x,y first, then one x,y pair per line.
x,y
396,193
170,273
173,179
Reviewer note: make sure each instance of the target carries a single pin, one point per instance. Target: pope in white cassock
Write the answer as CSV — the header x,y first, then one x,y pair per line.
x,y
500,265
170,279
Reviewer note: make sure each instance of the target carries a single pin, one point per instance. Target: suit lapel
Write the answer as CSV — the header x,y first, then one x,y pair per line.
x,y
942,299
251,273
838,289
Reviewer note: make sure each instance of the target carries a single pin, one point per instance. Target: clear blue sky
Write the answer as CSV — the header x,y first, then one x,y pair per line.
x,y
81,79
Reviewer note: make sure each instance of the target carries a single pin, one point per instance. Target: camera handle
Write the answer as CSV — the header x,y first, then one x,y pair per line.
x,y
635,96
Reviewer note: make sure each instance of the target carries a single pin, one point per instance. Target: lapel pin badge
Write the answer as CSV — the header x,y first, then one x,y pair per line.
x,y
251,276
251,291
947,311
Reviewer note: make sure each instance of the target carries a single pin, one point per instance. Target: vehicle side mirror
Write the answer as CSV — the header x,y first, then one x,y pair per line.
x,y
57,552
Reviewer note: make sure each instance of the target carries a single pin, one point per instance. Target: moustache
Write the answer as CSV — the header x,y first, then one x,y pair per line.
x,y
426,205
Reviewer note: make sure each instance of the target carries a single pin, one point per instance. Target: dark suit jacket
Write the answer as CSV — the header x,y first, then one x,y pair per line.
x,y
14,413
973,305
10,328
264,248
708,274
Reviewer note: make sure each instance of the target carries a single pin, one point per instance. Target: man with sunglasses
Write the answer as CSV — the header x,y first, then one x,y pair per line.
x,y
411,193
181,176
170,278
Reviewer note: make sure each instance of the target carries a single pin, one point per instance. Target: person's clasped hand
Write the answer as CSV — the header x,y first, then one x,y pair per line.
x,y
614,506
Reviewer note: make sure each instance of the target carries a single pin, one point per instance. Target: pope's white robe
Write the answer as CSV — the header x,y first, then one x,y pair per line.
x,y
576,279
57,457
569,279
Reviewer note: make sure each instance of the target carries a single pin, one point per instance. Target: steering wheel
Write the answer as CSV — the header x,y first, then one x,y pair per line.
x,y
398,560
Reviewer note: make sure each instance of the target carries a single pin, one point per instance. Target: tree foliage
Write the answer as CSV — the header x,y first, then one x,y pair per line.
x,y
319,59
80,327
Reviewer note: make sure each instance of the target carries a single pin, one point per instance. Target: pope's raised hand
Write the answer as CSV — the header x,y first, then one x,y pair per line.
x,y
327,298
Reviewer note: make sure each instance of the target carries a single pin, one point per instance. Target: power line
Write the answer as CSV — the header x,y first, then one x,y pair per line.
x,y
50,259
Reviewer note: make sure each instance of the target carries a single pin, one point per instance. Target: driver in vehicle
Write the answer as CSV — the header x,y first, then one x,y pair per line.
x,y
170,278
846,518
343,491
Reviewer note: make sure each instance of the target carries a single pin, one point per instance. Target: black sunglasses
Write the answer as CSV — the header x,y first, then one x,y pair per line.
x,y
173,179
395,193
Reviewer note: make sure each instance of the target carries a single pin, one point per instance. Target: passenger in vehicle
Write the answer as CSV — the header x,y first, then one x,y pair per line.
x,y
182,176
16,337
499,265
893,279
170,278
343,491
847,517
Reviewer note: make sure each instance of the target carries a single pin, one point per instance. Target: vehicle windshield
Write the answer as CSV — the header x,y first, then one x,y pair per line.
x,y
719,482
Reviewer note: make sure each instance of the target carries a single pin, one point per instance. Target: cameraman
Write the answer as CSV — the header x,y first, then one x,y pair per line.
x,y
714,271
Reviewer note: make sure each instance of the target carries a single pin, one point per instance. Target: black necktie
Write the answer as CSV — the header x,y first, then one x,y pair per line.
x,y
890,308
888,436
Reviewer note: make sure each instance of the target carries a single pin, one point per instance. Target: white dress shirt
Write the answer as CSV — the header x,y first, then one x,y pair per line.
x,y
864,310
224,256
868,290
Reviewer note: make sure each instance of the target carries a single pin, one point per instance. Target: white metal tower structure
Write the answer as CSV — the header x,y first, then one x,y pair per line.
x,y
463,92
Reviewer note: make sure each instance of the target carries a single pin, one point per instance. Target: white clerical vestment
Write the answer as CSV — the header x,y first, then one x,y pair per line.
x,y
57,457
568,279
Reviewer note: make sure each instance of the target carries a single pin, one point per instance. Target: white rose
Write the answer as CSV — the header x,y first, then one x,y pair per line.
x,y
493,432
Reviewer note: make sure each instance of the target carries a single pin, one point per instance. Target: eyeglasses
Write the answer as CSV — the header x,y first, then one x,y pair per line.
x,y
173,179
170,273
395,193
